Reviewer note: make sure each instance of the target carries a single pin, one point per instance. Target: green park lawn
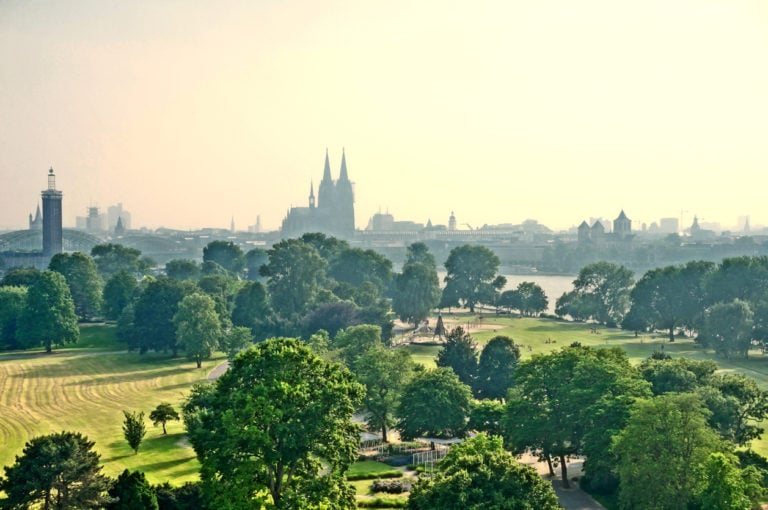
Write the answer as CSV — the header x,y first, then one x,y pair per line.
x,y
85,388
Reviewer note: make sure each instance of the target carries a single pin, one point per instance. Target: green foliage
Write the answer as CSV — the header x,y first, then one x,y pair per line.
x,y
434,403
417,291
724,486
384,372
529,298
252,310
671,431
113,258
57,471
354,267
182,269
479,474
49,314
12,301
132,491
235,340
20,277
198,328
727,329
262,429
225,253
471,276
185,497
294,272
162,414
118,293
332,317
460,354
486,416
85,284
134,429
254,259
600,292
153,312
355,341
496,368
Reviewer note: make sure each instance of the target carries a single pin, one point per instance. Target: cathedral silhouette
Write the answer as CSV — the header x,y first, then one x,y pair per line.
x,y
334,211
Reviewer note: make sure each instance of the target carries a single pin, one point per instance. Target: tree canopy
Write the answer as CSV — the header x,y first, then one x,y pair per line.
x,y
276,425
48,317
600,292
472,276
198,327
85,284
225,253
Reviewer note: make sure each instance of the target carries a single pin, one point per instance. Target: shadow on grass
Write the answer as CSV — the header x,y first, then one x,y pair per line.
x,y
166,465
116,457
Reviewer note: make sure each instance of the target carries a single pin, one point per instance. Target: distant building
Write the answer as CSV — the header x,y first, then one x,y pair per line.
x,y
669,225
37,222
93,222
333,213
452,222
119,228
52,214
622,226
115,212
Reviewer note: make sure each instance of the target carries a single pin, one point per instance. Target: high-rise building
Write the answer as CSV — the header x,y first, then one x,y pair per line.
x,y
52,229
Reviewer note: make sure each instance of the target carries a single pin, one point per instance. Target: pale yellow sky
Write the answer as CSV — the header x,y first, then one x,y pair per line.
x,y
191,112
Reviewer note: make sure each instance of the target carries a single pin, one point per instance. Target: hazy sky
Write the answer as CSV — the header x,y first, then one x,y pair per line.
x,y
191,112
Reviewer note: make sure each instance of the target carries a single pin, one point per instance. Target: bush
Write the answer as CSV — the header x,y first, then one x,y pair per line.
x,y
390,486
366,475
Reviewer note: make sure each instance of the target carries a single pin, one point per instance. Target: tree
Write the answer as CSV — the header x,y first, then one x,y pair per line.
x,y
113,258
487,416
20,277
604,289
533,299
182,269
254,259
332,317
384,372
119,291
134,429
355,341
671,431
417,292
472,275
235,340
153,315
277,424
556,398
434,403
225,253
12,301
49,314
354,266
496,369
198,327
460,354
478,474
294,272
727,329
738,407
132,491
163,413
56,471
724,484
85,284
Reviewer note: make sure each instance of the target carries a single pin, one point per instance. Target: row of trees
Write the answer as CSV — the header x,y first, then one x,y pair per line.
x,y
725,304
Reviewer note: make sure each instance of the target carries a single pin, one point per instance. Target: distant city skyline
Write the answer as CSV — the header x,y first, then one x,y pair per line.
x,y
193,114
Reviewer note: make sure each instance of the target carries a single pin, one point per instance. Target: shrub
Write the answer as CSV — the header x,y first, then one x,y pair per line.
x,y
382,503
390,486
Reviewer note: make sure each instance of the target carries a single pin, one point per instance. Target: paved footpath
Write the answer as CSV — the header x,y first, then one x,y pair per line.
x,y
572,498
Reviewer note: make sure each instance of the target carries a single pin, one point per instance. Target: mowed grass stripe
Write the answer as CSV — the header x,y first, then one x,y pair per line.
x,y
87,392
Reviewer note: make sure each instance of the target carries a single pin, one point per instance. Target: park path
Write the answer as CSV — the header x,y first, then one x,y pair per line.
x,y
572,498
218,371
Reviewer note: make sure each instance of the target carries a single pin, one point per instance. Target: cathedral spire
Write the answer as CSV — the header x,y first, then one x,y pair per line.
x,y
327,168
343,174
311,194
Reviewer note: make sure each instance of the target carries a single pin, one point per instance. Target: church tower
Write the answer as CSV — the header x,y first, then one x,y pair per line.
x,y
52,231
345,201
312,195
325,191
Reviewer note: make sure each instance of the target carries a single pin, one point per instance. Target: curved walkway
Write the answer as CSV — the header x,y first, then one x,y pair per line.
x,y
218,371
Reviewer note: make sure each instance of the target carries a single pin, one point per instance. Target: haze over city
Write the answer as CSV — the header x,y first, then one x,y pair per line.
x,y
191,113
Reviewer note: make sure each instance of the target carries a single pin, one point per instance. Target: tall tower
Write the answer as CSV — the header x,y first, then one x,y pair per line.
x,y
345,201
325,190
52,234
311,195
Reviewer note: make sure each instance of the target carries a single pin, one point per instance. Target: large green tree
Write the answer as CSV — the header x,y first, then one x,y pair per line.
x,y
85,284
276,429
182,269
727,329
12,301
119,291
252,310
355,266
254,259
459,354
533,299
162,414
417,292
661,450
58,471
496,368
434,403
479,474
472,275
294,271
132,491
48,317
384,372
153,312
602,291
225,253
112,258
198,327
